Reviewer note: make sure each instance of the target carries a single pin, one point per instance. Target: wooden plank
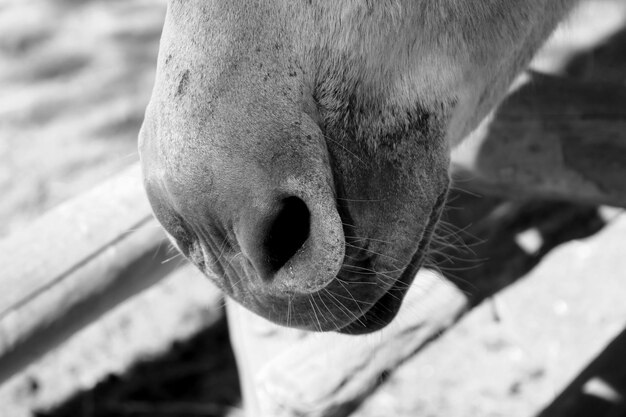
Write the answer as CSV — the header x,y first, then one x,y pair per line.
x,y
74,264
34,259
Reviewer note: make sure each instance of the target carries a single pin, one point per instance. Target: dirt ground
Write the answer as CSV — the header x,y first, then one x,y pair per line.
x,y
75,77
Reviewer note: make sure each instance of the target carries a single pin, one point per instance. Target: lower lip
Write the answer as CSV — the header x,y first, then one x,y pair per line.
x,y
383,311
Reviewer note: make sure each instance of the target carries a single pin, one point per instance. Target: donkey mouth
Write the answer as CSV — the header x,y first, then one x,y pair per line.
x,y
385,309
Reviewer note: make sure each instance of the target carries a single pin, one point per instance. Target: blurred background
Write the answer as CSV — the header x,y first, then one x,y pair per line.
x,y
75,77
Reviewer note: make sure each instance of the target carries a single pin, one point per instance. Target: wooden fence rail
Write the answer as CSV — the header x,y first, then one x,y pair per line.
x,y
73,264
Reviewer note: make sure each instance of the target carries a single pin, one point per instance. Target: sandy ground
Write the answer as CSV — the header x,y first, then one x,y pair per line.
x,y
74,81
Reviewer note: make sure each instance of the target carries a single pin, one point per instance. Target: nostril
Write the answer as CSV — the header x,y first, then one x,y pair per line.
x,y
288,232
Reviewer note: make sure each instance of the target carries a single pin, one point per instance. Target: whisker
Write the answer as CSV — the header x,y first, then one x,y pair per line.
x,y
158,248
326,307
345,309
171,258
319,325
345,149
373,252
369,239
358,305
373,271
355,282
364,200
289,301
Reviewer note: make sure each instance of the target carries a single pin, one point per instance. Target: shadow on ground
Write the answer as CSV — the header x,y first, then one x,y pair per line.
x,y
195,378
599,390
490,243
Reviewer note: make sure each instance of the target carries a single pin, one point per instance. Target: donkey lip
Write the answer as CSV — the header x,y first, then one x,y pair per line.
x,y
385,309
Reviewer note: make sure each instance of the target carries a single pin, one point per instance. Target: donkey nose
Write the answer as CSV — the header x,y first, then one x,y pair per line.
x,y
293,240
272,235
287,232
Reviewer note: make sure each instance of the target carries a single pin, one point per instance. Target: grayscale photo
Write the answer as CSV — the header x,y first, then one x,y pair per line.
x,y
312,208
